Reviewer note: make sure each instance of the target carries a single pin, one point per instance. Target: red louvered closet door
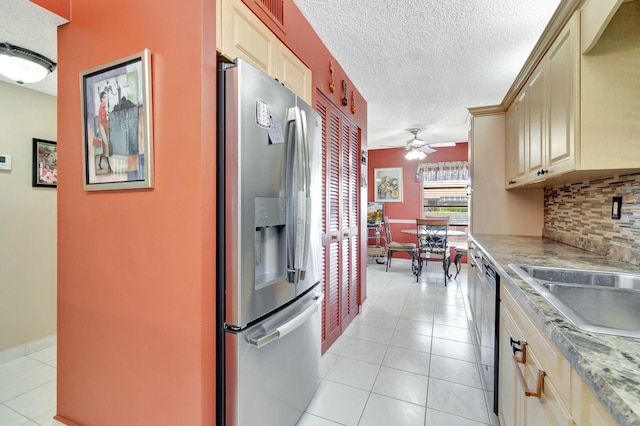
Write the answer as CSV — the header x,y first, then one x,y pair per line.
x,y
340,202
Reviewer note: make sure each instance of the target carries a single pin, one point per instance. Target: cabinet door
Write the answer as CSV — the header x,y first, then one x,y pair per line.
x,y
521,123
536,122
515,407
510,401
512,153
549,409
245,36
241,34
562,64
293,73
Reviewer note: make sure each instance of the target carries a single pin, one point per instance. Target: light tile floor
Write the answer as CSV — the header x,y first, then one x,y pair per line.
x,y
409,358
28,389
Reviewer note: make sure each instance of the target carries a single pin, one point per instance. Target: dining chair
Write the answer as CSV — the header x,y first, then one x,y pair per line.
x,y
395,246
433,244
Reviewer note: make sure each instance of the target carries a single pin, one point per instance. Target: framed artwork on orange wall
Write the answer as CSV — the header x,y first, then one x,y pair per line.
x,y
117,124
388,185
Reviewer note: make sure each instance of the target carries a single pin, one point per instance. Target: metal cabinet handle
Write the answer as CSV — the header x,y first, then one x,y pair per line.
x,y
537,393
521,346
512,182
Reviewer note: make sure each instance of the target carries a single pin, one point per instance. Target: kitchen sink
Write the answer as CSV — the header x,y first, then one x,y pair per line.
x,y
598,301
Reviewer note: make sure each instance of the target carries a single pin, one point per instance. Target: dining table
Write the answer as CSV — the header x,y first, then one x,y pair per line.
x,y
450,232
460,247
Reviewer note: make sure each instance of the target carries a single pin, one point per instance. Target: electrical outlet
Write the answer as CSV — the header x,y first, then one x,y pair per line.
x,y
616,208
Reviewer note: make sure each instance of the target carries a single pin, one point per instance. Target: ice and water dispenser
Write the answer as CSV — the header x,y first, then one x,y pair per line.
x,y
270,240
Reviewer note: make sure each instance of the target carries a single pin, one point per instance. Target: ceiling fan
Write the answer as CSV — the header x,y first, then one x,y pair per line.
x,y
418,148
417,144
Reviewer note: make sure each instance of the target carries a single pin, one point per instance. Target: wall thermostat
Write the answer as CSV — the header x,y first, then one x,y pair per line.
x,y
5,162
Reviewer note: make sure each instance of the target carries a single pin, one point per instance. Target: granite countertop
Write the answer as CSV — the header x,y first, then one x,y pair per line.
x,y
609,365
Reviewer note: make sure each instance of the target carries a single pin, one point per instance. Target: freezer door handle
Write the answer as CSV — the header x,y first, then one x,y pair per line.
x,y
298,189
289,326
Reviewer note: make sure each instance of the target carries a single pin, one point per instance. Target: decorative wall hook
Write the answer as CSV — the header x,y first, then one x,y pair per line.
x,y
332,85
345,101
353,103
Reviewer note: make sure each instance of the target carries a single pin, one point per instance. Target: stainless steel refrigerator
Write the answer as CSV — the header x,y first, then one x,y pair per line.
x,y
269,249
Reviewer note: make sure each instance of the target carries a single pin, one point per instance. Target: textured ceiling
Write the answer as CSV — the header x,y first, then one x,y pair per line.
x,y
422,63
27,25
418,63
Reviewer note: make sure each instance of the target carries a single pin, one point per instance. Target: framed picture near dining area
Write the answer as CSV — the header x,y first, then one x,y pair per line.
x,y
388,185
117,124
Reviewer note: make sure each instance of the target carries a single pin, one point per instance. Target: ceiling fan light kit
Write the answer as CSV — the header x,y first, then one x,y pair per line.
x,y
23,65
418,148
415,154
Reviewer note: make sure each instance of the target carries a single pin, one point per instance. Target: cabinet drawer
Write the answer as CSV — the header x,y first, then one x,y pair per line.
x,y
550,406
550,359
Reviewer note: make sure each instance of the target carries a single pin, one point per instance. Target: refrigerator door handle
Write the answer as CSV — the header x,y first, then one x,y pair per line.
x,y
289,326
306,167
298,190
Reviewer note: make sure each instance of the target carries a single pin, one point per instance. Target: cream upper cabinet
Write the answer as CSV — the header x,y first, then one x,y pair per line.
x,y
590,103
546,114
562,69
610,94
291,72
596,15
517,141
536,123
243,35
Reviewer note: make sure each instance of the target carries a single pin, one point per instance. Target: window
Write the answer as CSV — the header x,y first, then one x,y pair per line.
x,y
440,199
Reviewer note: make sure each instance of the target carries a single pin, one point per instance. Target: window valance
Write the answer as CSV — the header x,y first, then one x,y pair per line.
x,y
437,172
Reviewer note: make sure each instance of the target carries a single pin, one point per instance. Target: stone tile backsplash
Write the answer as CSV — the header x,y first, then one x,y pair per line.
x,y
580,215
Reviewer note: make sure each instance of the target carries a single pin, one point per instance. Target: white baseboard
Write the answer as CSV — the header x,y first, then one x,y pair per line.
x,y
16,352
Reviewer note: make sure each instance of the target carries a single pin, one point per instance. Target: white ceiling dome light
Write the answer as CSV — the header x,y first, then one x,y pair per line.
x,y
23,65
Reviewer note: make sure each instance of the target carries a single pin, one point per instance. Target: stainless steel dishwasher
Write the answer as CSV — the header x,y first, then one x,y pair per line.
x,y
484,300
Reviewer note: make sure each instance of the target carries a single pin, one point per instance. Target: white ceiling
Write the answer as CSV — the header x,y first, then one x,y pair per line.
x,y
418,63
30,26
422,63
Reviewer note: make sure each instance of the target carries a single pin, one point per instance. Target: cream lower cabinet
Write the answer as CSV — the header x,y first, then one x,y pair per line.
x,y
243,35
537,386
528,395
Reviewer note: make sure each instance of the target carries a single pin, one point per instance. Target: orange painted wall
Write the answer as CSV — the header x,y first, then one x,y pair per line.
x,y
59,7
411,206
136,272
